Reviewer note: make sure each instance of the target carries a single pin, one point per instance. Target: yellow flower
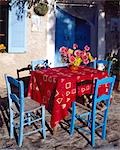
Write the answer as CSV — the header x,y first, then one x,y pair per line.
x,y
76,56
90,57
2,46
78,61
70,51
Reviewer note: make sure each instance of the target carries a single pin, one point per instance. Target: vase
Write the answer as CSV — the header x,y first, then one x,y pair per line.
x,y
73,67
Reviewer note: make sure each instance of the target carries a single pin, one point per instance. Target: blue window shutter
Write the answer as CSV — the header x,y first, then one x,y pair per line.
x,y
16,32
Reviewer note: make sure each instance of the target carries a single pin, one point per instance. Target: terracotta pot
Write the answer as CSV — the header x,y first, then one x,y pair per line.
x,y
73,68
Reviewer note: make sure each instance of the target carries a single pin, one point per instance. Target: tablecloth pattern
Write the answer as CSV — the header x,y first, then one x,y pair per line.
x,y
56,88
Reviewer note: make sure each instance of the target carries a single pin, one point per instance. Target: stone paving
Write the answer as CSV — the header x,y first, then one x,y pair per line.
x,y
62,140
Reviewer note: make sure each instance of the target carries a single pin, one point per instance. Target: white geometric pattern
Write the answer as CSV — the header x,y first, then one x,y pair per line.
x,y
68,85
59,100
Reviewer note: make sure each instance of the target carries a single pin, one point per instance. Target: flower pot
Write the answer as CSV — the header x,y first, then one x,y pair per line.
x,y
41,9
73,68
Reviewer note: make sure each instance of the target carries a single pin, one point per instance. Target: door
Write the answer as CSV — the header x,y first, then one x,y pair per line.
x,y
64,33
82,33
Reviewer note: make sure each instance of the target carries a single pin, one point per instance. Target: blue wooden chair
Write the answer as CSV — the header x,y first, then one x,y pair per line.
x,y
37,64
93,117
29,112
106,63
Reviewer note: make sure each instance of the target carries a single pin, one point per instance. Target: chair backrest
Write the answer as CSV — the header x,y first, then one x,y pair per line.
x,y
108,83
106,63
15,91
28,68
36,63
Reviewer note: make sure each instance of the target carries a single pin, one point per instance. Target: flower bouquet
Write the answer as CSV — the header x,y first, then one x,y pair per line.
x,y
75,57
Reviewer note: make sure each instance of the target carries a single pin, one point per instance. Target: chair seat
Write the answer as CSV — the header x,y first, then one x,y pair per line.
x,y
29,105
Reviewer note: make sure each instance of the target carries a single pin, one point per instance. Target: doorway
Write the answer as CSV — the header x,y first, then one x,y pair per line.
x,y
69,30
4,24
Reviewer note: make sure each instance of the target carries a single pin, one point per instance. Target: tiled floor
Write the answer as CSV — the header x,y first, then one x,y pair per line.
x,y
62,139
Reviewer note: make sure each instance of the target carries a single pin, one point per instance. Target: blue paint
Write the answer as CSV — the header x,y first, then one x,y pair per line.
x,y
69,30
28,115
91,116
82,33
64,35
17,31
106,64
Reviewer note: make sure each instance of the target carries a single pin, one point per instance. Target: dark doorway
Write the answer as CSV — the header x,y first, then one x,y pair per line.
x,y
4,24
82,33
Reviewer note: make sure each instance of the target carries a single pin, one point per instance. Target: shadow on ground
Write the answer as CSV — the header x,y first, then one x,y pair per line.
x,y
61,140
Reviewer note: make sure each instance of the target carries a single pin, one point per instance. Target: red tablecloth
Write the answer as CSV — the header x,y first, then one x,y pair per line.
x,y
56,88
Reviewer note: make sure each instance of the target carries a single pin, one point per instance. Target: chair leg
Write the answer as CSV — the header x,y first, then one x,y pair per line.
x,y
93,129
21,127
104,125
29,119
93,138
43,122
11,124
72,125
89,120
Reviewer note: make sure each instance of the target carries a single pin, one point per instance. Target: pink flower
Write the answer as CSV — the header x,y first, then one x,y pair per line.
x,y
75,46
85,57
87,48
77,53
69,55
84,53
63,50
71,59
86,61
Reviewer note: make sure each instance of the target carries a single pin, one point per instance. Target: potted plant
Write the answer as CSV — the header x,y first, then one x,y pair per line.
x,y
115,69
2,48
41,9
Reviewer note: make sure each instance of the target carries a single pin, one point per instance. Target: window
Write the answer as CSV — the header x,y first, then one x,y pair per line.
x,y
12,29
4,23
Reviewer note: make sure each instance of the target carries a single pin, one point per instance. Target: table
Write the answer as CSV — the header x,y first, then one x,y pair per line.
x,y
56,88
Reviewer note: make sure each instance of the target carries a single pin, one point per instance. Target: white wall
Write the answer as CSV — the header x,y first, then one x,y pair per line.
x,y
51,36
36,49
101,33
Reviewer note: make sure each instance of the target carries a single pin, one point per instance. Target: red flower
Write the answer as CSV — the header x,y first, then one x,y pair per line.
x,y
71,59
73,55
85,57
